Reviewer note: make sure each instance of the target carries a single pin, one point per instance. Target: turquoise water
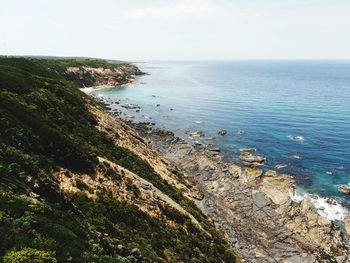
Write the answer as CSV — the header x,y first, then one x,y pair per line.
x,y
272,101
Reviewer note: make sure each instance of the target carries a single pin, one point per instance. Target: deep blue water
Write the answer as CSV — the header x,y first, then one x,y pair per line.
x,y
272,101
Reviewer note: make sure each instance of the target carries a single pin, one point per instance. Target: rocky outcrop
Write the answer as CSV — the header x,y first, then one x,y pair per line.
x,y
248,159
254,208
106,77
143,194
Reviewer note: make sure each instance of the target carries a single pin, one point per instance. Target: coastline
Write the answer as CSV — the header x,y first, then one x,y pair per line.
x,y
89,90
237,197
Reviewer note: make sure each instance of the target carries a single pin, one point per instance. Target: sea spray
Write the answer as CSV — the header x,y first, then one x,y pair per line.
x,y
326,207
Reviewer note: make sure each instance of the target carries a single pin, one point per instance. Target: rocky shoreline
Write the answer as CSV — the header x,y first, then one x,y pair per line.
x,y
88,77
254,208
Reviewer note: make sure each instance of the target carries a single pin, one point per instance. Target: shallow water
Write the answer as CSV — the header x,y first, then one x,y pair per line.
x,y
296,113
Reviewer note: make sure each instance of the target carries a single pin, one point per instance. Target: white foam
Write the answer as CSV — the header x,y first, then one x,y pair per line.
x,y
298,138
280,166
294,156
199,122
330,209
326,207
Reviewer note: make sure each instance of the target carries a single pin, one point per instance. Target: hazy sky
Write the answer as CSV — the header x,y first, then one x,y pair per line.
x,y
179,29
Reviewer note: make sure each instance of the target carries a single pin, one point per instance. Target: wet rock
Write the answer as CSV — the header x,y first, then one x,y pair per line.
x,y
197,134
250,160
222,132
131,107
344,189
250,150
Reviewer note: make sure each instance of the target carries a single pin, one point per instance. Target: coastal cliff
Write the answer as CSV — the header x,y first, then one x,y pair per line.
x,y
76,185
118,191
255,208
106,77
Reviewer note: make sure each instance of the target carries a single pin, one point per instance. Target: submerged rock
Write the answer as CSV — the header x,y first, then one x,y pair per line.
x,y
344,189
222,132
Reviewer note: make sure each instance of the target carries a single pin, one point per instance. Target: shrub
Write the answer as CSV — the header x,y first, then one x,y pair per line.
x,y
29,255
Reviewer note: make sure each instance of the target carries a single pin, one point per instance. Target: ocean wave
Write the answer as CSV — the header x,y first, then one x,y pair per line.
x,y
294,156
326,207
280,166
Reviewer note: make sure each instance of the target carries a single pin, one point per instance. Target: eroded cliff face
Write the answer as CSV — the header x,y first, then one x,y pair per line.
x,y
102,77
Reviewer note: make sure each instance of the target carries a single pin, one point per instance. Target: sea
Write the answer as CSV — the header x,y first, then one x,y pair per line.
x,y
296,113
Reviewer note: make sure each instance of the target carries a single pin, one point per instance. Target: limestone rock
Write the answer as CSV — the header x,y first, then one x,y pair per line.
x,y
304,258
279,189
250,175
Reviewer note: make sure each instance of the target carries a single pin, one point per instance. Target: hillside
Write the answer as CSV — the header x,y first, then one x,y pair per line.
x,y
78,186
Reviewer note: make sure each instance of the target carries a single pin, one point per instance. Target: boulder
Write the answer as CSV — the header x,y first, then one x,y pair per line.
x,y
279,189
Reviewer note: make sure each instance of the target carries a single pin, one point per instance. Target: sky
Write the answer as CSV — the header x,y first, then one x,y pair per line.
x,y
141,30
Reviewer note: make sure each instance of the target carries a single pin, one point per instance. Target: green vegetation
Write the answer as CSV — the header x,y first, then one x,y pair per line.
x,y
44,126
29,255
65,63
